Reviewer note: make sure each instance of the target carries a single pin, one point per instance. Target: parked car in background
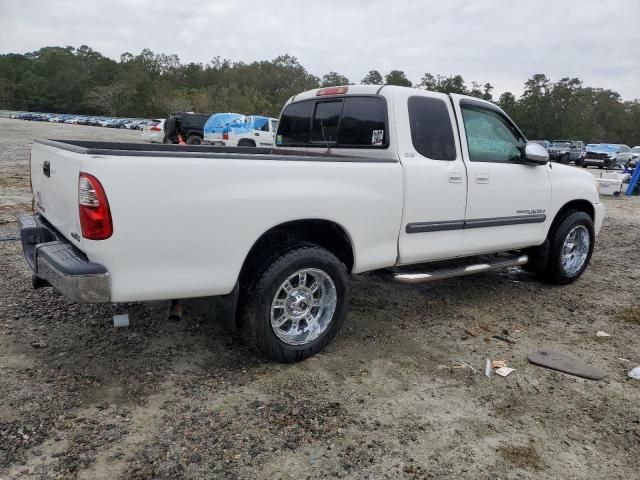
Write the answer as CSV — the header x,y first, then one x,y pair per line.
x,y
153,131
545,143
566,151
635,158
250,131
216,124
188,125
607,155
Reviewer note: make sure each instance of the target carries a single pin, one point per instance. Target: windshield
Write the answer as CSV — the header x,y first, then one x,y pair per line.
x,y
561,144
635,150
605,148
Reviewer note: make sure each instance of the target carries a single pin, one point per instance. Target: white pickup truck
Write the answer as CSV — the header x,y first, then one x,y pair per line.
x,y
415,184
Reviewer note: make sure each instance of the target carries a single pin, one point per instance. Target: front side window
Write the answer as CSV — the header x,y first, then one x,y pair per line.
x,y
431,129
490,136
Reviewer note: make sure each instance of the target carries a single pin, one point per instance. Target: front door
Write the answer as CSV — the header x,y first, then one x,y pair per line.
x,y
435,178
508,201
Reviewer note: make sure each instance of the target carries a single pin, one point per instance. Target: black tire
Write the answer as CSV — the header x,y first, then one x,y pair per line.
x,y
584,165
246,143
553,271
565,159
261,284
194,140
579,162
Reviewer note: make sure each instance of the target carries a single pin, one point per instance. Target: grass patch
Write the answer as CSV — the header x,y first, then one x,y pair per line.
x,y
525,456
630,314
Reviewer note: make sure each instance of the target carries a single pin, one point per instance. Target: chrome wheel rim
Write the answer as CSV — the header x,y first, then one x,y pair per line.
x,y
575,249
303,306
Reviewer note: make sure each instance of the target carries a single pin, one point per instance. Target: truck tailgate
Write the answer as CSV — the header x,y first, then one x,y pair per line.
x,y
54,179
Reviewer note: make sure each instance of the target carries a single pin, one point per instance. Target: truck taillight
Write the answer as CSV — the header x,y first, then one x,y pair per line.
x,y
225,135
95,215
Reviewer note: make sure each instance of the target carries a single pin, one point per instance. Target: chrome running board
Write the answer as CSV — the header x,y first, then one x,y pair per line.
x,y
469,269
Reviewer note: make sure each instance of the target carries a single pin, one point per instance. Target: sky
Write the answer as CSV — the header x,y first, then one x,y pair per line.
x,y
503,42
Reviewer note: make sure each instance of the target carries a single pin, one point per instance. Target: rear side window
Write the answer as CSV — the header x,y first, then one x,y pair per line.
x,y
346,122
295,124
431,130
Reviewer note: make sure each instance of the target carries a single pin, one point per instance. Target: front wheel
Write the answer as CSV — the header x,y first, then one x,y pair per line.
x,y
194,140
570,248
295,301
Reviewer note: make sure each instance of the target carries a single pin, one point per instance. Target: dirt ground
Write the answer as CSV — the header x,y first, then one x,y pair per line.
x,y
399,394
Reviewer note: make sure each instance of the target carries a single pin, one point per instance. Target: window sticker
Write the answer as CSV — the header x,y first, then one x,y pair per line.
x,y
377,137
279,140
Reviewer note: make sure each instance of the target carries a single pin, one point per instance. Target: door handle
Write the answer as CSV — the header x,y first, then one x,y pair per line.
x,y
455,177
46,168
482,178
257,134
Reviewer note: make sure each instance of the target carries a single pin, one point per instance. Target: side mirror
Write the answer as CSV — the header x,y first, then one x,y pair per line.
x,y
535,154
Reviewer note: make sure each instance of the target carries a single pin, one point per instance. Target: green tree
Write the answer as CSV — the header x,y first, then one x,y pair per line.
x,y
374,77
397,77
332,79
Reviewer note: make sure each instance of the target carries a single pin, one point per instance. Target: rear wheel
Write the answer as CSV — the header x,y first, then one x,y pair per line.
x,y
570,248
246,143
194,140
295,299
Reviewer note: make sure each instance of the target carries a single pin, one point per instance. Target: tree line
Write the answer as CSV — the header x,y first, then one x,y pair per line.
x,y
83,81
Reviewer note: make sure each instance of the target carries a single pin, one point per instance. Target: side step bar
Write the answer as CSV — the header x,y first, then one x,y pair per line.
x,y
456,271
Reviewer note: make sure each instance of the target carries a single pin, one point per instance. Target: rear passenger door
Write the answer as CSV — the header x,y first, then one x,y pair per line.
x,y
435,178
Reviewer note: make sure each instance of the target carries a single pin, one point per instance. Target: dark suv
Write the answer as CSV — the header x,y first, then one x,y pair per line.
x,y
190,126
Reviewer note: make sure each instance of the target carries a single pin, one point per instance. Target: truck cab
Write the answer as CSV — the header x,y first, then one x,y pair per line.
x,y
469,186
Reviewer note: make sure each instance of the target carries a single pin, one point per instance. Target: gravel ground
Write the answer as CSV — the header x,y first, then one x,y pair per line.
x,y
399,394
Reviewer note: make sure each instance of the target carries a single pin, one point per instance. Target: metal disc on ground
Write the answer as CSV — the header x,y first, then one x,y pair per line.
x,y
564,363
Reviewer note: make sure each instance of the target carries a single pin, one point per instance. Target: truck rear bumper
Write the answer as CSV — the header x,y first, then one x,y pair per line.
x,y
55,260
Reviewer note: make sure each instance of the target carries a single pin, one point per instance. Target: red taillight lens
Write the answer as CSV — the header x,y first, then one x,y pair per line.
x,y
332,91
95,216
225,135
155,128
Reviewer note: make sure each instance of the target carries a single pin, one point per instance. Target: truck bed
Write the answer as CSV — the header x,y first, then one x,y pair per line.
x,y
131,149
185,216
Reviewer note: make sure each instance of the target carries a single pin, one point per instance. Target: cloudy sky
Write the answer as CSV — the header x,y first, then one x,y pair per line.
x,y
500,41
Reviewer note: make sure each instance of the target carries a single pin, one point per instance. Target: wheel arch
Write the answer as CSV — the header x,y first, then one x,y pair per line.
x,y
196,133
324,233
579,205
